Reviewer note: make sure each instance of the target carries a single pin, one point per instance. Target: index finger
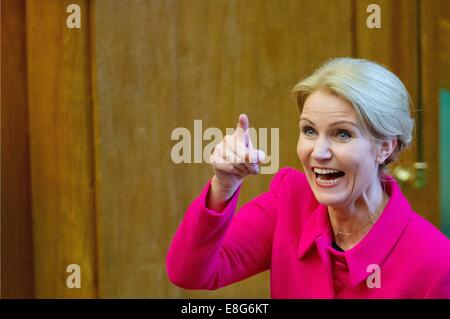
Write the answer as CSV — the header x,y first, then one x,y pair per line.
x,y
243,122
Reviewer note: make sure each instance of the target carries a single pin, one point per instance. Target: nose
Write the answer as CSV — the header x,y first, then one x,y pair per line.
x,y
321,150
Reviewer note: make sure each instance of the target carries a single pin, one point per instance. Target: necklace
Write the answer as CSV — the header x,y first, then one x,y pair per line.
x,y
371,221
340,233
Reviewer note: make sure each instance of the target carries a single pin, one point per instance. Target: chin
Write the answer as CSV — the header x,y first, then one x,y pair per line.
x,y
328,200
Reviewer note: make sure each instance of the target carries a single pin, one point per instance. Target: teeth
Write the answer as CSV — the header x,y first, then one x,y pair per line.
x,y
325,171
328,181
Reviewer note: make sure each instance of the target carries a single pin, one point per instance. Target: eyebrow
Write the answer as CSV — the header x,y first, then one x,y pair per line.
x,y
335,123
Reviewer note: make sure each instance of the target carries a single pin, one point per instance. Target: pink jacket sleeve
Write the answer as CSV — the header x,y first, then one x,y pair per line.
x,y
213,249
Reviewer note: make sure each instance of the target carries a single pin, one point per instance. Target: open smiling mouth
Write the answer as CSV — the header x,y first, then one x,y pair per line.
x,y
328,177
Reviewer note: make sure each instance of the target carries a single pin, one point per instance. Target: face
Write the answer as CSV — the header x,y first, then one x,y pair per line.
x,y
339,158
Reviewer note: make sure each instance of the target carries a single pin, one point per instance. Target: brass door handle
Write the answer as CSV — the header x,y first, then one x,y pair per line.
x,y
413,175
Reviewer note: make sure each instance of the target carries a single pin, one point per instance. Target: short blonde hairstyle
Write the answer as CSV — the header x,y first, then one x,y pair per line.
x,y
378,96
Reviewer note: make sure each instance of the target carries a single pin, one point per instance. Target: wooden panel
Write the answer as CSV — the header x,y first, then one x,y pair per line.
x,y
62,175
135,109
16,235
162,64
443,50
431,108
426,201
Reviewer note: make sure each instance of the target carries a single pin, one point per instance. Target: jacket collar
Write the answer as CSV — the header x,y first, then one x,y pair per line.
x,y
377,243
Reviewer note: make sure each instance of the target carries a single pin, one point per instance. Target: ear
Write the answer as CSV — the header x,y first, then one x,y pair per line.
x,y
386,149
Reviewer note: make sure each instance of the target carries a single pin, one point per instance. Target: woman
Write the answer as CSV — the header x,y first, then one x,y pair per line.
x,y
341,229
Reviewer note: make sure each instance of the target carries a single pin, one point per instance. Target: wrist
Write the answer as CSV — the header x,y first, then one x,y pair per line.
x,y
224,191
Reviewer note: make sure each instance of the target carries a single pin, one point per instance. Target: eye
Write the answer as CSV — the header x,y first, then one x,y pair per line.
x,y
308,131
344,135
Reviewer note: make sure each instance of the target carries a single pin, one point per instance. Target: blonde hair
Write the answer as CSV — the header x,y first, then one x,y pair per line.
x,y
378,96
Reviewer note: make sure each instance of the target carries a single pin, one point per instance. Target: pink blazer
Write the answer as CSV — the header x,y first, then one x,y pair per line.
x,y
287,231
